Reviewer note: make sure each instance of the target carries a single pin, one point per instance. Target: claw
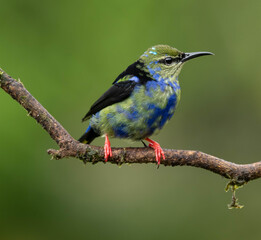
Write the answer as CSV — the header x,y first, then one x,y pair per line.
x,y
158,150
107,149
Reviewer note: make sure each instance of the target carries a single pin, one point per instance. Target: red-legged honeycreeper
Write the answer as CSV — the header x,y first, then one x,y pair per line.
x,y
141,99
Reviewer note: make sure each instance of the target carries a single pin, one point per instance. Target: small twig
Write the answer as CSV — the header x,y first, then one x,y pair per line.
x,y
233,186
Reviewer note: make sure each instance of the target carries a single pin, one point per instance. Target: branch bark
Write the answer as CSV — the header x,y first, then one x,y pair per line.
x,y
69,147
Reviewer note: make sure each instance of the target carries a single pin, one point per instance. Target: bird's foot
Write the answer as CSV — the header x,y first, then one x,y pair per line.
x,y
107,149
158,150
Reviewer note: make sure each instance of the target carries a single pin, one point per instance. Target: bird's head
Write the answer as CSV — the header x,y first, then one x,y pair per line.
x,y
163,61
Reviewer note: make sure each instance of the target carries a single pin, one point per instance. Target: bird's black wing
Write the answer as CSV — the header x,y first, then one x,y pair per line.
x,y
135,69
121,89
116,93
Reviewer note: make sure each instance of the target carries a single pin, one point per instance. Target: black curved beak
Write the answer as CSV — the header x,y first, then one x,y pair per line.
x,y
188,56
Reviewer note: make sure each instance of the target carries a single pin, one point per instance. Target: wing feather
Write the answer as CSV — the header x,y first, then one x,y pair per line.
x,y
116,93
122,87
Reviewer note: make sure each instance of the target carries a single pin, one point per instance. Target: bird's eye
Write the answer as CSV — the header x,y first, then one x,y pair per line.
x,y
168,60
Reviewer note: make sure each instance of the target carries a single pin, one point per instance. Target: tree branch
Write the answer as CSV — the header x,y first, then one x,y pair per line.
x,y
238,174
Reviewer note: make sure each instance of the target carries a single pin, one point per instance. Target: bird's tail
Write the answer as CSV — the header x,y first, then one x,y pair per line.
x,y
88,136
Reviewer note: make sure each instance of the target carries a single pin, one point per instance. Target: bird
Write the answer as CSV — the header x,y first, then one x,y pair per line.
x,y
141,100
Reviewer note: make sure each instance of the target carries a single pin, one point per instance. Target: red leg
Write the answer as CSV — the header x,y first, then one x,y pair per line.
x,y
107,148
158,150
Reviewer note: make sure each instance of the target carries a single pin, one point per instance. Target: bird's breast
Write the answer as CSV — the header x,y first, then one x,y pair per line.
x,y
148,108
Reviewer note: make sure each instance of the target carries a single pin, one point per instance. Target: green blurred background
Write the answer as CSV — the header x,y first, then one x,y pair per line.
x,y
67,53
